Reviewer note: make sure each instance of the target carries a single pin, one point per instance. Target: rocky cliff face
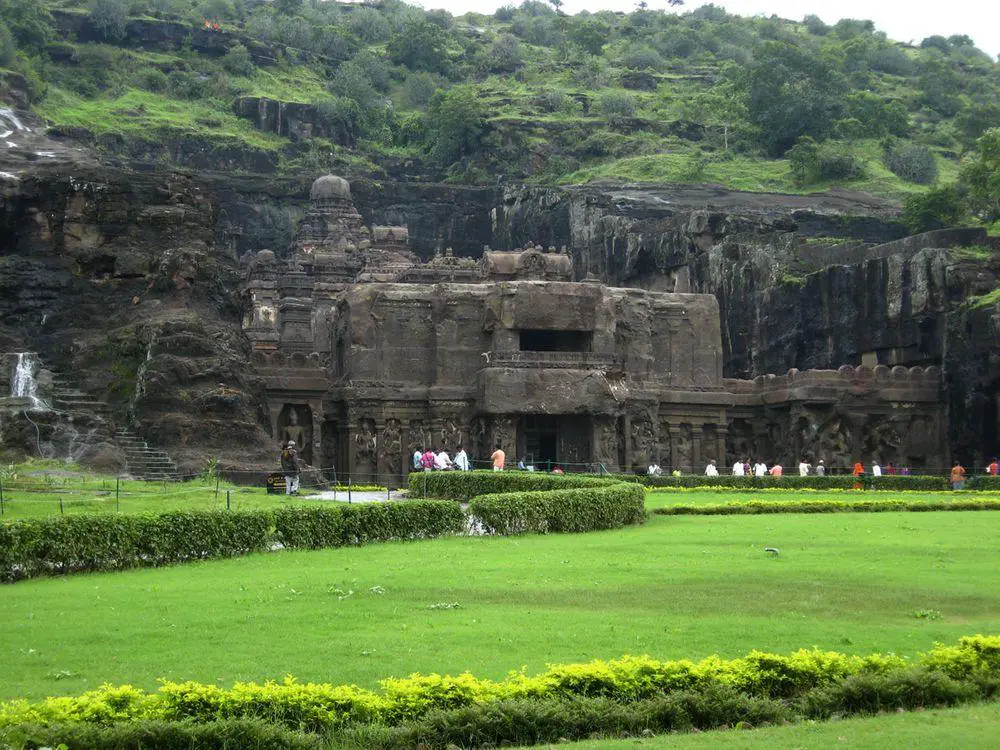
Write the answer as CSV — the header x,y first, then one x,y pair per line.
x,y
128,281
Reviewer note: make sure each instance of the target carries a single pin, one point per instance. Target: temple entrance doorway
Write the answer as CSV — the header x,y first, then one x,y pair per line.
x,y
549,440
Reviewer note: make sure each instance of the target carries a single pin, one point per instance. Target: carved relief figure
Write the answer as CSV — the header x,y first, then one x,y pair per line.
x,y
642,442
684,450
365,447
390,449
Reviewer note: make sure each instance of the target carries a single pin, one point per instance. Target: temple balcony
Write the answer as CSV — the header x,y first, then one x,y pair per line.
x,y
556,360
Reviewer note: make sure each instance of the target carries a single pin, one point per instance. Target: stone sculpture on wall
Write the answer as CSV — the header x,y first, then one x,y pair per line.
x,y
684,450
390,449
296,424
365,449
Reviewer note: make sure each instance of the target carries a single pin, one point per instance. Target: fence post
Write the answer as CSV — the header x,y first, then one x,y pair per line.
x,y
227,499
216,486
1,496
62,510
118,502
348,489
387,492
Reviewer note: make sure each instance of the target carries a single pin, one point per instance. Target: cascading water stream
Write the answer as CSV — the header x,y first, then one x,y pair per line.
x,y
23,383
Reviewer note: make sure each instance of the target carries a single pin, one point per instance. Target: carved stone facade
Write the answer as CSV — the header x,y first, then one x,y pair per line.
x,y
368,355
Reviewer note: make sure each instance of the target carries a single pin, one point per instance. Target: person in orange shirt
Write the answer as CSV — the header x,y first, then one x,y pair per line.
x,y
499,458
958,477
859,471
993,468
777,471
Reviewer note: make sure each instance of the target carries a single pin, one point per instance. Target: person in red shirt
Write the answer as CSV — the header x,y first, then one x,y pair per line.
x,y
958,477
859,471
993,468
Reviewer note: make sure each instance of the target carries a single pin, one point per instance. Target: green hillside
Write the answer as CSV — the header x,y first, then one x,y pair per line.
x,y
528,93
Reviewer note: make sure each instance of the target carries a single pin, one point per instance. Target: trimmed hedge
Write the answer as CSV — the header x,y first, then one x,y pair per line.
x,y
762,507
562,510
984,483
759,675
250,734
790,482
465,485
69,544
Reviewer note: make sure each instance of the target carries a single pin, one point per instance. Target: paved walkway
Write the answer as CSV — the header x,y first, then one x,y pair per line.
x,y
341,496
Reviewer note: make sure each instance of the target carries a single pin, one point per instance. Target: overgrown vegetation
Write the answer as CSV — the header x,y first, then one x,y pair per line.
x,y
528,92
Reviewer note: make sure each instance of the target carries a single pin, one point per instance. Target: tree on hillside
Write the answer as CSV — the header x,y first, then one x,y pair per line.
x,y
456,119
790,92
420,46
28,21
982,176
938,208
109,17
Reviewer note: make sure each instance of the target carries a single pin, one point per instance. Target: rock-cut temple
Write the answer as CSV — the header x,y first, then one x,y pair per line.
x,y
367,354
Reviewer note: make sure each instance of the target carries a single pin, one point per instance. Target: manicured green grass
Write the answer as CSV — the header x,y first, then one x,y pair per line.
x,y
676,587
976,726
667,498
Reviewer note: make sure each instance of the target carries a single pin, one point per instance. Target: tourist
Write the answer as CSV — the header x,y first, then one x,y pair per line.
x,y
890,470
760,469
710,470
558,470
654,470
993,468
417,453
821,469
746,467
462,459
876,469
427,460
739,469
905,471
804,468
958,477
498,457
442,461
858,472
777,470
290,468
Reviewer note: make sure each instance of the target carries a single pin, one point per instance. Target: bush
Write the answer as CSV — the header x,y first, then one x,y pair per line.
x,y
984,483
238,61
896,691
569,510
152,79
938,208
912,163
812,162
761,507
69,544
109,17
465,485
617,106
893,482
643,58
256,734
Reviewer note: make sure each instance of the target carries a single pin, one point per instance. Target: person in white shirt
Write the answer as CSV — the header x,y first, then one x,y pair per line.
x,y
654,470
710,470
442,461
803,468
462,459
821,469
760,469
876,469
738,470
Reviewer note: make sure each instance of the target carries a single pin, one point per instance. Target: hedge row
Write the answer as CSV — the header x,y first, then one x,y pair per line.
x,y
245,734
579,509
321,707
984,483
68,544
761,507
465,485
790,482
524,722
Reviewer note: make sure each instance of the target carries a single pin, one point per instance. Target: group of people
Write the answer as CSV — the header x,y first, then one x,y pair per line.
x,y
428,460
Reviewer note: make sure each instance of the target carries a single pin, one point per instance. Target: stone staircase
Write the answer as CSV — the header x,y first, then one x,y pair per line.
x,y
141,461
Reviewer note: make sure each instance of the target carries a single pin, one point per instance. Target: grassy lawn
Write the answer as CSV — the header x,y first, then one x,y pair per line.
x,y
676,587
43,489
969,727
667,498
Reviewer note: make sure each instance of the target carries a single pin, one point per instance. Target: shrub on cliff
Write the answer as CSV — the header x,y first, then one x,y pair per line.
x,y
938,208
109,17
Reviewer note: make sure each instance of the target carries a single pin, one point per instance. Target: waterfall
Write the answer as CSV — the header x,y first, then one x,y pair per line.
x,y
23,383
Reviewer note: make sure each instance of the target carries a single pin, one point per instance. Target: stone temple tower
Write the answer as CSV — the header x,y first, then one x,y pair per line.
x,y
332,223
